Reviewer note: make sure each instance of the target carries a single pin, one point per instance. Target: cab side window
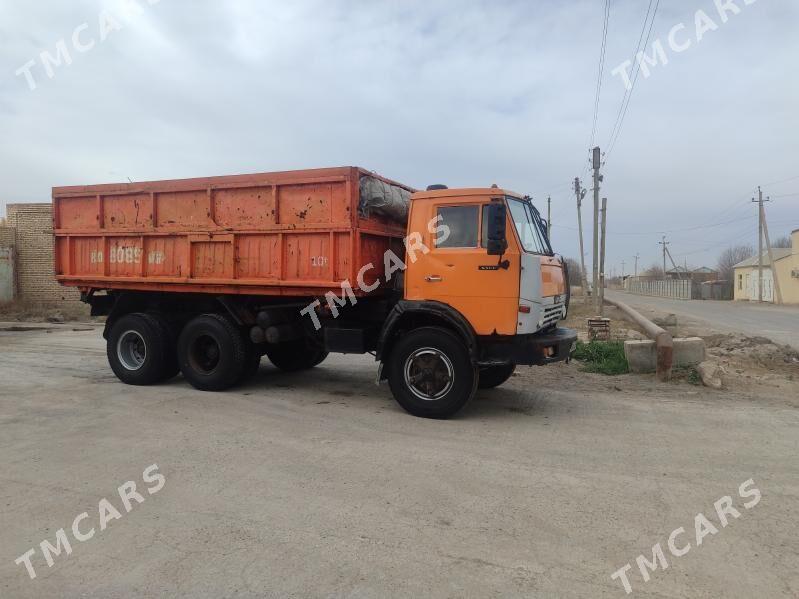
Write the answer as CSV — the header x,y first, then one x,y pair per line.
x,y
463,226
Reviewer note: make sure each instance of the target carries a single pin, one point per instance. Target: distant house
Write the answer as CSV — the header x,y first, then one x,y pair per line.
x,y
697,275
786,263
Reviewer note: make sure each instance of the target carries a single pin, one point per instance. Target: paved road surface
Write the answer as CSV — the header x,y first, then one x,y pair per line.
x,y
778,323
316,484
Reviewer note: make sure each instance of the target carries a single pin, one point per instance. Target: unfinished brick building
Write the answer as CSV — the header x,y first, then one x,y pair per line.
x,y
28,232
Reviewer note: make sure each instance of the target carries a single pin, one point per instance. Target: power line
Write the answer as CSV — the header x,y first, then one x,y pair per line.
x,y
600,71
781,181
614,136
693,228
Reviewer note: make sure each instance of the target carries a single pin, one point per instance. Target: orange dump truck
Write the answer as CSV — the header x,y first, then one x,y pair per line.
x,y
450,289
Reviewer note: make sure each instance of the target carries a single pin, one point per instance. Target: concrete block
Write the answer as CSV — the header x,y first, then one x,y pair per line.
x,y
689,351
641,355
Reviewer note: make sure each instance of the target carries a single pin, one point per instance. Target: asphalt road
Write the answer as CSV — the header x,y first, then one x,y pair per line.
x,y
318,485
778,323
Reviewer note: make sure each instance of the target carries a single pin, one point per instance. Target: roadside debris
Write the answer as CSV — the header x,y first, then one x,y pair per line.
x,y
710,373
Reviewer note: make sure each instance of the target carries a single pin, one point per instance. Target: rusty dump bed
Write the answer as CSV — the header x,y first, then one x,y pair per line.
x,y
296,233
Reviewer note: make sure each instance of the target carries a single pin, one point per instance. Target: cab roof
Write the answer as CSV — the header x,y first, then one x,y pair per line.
x,y
466,191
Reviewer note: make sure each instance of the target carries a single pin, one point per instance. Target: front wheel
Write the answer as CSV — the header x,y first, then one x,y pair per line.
x,y
431,373
494,376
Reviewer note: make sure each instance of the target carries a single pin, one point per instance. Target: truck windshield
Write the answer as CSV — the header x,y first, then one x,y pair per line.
x,y
529,226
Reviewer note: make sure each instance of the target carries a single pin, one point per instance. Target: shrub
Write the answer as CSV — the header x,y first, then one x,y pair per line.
x,y
604,357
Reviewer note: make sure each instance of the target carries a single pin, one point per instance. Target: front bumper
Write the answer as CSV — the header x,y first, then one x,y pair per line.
x,y
554,345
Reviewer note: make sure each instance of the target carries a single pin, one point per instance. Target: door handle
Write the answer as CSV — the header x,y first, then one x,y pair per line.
x,y
433,278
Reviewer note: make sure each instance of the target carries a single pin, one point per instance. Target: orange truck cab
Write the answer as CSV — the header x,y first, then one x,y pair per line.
x,y
450,289
487,267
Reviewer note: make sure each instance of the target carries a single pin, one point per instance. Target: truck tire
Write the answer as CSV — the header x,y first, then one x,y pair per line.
x,y
211,353
138,349
431,373
170,334
494,376
294,356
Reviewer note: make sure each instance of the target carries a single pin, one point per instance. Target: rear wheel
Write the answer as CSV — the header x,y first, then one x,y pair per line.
x,y
138,349
494,376
293,356
431,373
212,353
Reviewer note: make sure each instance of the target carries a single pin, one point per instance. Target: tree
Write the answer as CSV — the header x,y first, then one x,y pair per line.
x,y
730,257
782,242
575,272
654,271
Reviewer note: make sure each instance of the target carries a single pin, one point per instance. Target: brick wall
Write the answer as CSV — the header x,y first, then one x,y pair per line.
x,y
7,236
36,282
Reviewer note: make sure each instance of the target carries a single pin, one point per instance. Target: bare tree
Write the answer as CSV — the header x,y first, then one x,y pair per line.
x,y
655,271
782,242
575,273
730,257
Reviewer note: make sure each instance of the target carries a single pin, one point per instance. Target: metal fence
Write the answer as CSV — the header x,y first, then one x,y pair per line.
x,y
675,289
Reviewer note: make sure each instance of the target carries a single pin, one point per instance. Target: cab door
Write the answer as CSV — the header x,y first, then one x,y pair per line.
x,y
458,271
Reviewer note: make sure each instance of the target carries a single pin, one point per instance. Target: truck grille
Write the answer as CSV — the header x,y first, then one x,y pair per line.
x,y
552,314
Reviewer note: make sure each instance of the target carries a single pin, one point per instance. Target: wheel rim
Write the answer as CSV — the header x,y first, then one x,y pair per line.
x,y
131,350
429,373
204,354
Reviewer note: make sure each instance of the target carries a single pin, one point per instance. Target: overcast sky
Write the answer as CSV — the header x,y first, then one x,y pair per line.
x,y
450,91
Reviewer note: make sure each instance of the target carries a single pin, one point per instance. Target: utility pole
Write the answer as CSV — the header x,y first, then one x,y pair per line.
x,y
580,194
549,217
775,279
595,163
759,244
664,243
601,294
637,257
623,263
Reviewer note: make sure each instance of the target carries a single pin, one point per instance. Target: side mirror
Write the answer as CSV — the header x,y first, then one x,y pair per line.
x,y
497,242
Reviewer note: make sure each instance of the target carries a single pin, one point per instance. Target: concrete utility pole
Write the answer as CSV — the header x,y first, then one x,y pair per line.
x,y
595,164
580,194
664,243
549,217
759,244
623,263
601,294
775,278
637,257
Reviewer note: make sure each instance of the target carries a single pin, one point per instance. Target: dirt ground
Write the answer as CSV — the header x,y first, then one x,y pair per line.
x,y
749,364
318,485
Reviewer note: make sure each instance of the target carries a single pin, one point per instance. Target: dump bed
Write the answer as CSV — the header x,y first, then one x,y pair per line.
x,y
299,233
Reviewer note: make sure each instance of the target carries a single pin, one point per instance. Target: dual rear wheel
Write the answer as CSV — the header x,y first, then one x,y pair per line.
x,y
211,351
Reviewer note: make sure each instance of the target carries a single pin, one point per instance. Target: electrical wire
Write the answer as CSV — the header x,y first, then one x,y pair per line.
x,y
600,71
781,181
625,102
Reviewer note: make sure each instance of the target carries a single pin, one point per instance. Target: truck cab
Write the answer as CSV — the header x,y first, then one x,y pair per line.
x,y
491,290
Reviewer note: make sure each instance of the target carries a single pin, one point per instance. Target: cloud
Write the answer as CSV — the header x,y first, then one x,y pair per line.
x,y
464,93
